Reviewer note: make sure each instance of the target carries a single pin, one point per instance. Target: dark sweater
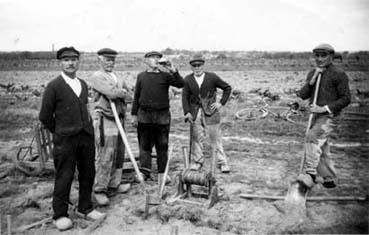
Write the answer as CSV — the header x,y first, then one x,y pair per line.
x,y
62,112
151,91
334,89
192,93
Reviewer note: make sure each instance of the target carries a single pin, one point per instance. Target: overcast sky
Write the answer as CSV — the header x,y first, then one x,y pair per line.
x,y
141,25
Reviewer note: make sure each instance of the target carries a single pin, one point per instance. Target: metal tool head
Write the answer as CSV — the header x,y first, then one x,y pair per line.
x,y
214,197
296,194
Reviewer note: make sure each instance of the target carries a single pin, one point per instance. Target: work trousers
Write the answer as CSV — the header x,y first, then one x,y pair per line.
x,y
69,152
200,129
318,160
150,135
110,151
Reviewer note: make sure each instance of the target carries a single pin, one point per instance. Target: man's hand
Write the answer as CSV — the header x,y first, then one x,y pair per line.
x,y
188,118
134,121
216,106
317,109
170,68
318,70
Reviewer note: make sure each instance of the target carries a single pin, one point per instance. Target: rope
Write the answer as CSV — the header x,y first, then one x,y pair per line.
x,y
197,178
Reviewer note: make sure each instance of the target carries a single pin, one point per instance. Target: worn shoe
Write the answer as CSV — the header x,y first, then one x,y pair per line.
x,y
195,166
63,223
168,180
95,215
329,184
123,188
225,168
306,179
101,199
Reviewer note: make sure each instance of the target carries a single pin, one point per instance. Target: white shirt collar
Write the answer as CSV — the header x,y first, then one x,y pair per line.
x,y
74,83
199,79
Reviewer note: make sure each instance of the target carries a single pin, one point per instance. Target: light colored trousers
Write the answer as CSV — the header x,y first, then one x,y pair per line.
x,y
318,160
109,158
198,139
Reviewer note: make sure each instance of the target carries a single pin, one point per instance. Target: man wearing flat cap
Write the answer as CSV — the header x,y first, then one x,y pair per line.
x,y
150,111
333,96
64,113
201,109
107,86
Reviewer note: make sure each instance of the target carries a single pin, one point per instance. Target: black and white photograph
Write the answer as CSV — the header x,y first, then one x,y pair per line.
x,y
184,117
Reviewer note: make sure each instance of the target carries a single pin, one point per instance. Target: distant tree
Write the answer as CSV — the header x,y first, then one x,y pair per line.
x,y
221,57
337,57
168,51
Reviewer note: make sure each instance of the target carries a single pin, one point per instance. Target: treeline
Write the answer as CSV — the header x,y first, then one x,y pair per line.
x,y
49,55
28,55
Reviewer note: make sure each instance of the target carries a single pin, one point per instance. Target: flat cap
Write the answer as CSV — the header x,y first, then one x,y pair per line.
x,y
324,47
107,52
153,53
67,52
197,58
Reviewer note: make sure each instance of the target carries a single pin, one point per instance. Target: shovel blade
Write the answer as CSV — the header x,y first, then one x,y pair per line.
x,y
296,194
214,197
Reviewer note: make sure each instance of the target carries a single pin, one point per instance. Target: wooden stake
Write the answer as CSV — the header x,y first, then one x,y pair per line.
x,y
316,198
174,230
9,220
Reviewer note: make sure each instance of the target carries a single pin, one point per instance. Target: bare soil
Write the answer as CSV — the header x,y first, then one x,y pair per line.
x,y
264,156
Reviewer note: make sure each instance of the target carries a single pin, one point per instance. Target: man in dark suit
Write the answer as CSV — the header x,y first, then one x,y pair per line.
x,y
200,106
64,113
333,96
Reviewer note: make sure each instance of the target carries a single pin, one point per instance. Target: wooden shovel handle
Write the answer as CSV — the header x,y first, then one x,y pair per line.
x,y
125,141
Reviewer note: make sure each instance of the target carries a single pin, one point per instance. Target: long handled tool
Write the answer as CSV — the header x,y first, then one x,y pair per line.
x,y
163,180
311,116
296,193
129,151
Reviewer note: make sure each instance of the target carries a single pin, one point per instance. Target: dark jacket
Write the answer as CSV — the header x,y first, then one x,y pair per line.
x,y
151,98
62,112
194,97
334,89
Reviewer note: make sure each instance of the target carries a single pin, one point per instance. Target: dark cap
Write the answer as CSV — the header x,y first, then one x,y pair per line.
x,y
67,52
107,52
197,58
153,53
324,47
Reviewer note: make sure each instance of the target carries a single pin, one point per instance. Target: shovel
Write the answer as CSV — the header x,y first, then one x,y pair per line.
x,y
297,192
129,151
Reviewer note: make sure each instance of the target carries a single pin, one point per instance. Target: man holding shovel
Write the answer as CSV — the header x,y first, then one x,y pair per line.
x,y
333,95
107,86
150,110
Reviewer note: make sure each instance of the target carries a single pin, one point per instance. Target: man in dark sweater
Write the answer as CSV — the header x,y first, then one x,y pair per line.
x,y
201,109
333,96
64,113
150,111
